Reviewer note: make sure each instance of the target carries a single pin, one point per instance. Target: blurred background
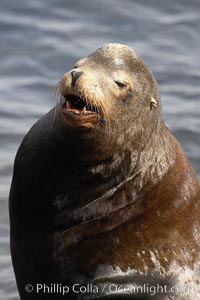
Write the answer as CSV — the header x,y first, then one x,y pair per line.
x,y
41,39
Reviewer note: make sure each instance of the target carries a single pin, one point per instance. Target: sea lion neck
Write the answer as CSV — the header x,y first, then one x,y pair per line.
x,y
133,173
91,150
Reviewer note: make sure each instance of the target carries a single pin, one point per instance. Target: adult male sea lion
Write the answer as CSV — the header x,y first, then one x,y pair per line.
x,y
102,192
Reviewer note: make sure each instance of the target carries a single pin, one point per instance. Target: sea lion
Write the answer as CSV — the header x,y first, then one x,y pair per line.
x,y
102,192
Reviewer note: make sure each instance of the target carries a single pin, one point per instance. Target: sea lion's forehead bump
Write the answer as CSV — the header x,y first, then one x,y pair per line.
x,y
114,54
114,49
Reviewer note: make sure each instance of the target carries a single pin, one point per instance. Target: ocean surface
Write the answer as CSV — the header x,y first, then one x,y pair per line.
x,y
41,39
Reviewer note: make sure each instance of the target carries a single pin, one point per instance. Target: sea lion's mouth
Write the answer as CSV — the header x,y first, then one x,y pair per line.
x,y
81,112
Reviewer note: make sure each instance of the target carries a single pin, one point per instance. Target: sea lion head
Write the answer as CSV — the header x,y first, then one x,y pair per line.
x,y
111,91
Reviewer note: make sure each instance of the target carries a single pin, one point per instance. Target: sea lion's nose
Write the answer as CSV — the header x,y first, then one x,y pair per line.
x,y
75,76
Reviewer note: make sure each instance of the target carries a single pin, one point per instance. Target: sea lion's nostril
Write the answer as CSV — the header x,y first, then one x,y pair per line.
x,y
75,76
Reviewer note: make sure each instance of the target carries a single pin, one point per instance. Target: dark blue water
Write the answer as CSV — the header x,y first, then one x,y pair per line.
x,y
40,40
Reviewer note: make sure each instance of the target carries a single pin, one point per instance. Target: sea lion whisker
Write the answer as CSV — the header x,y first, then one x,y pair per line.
x,y
96,109
106,116
57,93
57,98
96,106
86,103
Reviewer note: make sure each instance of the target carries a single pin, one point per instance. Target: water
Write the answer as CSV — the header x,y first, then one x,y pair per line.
x,y
40,40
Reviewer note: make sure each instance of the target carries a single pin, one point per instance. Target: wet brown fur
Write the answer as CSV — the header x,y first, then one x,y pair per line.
x,y
103,195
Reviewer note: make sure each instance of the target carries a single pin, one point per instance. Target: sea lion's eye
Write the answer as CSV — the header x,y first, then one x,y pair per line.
x,y
75,67
120,84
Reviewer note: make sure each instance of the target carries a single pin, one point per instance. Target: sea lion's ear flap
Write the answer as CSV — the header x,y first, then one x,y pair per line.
x,y
153,103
